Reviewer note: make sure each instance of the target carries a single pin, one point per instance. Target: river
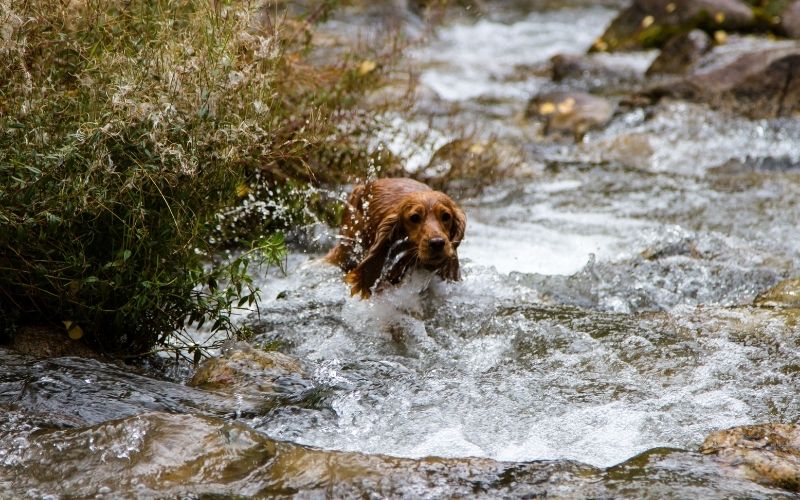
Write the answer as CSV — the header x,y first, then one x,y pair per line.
x,y
606,311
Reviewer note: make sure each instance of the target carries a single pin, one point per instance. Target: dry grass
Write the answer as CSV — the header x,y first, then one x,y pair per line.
x,y
128,127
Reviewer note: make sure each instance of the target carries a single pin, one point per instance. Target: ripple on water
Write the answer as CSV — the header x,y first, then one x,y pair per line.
x,y
481,371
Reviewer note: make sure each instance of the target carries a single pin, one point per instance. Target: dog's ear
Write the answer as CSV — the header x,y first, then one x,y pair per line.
x,y
367,272
450,270
458,227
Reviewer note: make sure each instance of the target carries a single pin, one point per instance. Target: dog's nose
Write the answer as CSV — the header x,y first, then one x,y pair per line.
x,y
436,244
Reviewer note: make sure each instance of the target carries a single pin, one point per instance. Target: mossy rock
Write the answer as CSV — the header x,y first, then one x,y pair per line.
x,y
651,23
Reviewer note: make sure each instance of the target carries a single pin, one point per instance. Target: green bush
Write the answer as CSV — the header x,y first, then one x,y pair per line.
x,y
127,128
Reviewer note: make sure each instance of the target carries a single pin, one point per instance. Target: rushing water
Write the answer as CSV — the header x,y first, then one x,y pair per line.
x,y
605,309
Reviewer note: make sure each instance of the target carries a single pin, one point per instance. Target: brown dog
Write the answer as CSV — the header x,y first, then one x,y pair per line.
x,y
392,225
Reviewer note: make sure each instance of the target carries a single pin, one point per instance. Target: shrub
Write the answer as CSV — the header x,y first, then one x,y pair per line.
x,y
127,128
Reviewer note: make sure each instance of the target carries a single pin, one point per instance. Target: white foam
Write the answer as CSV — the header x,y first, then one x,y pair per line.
x,y
472,60
601,435
533,248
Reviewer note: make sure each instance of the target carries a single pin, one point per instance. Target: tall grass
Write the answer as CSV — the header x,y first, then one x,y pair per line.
x,y
128,127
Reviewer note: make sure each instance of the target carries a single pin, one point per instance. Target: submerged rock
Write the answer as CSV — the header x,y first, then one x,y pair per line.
x,y
572,112
74,392
242,369
766,453
632,149
681,53
761,84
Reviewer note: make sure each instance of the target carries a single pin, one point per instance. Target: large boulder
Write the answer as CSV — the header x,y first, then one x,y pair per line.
x,y
766,453
760,84
650,23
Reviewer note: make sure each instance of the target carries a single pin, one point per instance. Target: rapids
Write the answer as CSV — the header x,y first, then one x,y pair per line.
x,y
605,312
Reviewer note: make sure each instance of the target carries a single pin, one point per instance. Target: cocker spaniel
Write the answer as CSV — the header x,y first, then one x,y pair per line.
x,y
391,226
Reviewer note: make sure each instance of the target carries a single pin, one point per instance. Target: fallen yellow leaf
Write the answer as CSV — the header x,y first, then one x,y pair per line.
x,y
547,108
566,105
75,332
366,66
600,45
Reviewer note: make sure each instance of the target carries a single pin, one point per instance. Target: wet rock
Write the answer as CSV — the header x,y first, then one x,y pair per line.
x,y
762,84
589,69
785,294
650,23
766,453
681,53
572,112
671,473
165,455
73,392
243,369
464,167
790,20
160,455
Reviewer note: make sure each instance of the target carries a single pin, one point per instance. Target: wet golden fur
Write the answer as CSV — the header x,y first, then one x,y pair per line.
x,y
401,220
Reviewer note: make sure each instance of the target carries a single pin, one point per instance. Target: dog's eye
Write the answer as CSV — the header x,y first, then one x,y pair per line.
x,y
445,216
415,218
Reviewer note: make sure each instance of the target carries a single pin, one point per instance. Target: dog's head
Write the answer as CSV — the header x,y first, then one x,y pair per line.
x,y
434,225
425,226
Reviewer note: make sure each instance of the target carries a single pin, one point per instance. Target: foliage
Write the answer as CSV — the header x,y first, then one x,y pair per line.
x,y
127,127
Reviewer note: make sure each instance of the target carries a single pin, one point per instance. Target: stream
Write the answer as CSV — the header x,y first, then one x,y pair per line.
x,y
604,326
